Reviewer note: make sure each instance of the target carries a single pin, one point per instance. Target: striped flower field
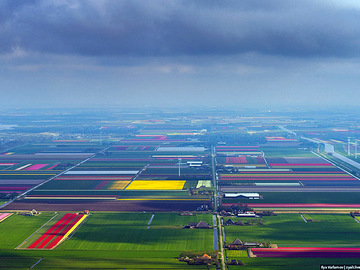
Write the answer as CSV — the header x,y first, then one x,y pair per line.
x,y
58,232
287,176
307,171
307,252
4,216
156,185
300,205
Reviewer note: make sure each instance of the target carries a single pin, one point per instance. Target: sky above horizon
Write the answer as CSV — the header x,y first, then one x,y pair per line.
x,y
85,53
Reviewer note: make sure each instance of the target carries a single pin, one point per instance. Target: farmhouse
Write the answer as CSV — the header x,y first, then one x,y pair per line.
x,y
237,241
199,225
31,213
224,213
202,225
206,257
239,223
229,222
186,213
236,244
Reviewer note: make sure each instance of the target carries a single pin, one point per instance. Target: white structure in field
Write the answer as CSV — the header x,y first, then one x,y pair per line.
x,y
195,163
247,214
181,149
255,196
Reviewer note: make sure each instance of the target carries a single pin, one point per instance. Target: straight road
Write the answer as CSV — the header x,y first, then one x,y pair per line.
x,y
216,243
213,165
221,241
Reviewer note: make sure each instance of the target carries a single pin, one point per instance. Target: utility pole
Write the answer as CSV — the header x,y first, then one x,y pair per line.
x,y
356,143
349,153
179,163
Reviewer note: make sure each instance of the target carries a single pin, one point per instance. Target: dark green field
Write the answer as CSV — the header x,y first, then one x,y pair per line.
x,y
128,231
290,230
286,230
2,201
291,263
283,263
15,229
108,241
275,151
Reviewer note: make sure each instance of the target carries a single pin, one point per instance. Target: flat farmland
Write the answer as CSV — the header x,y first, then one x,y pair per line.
x,y
128,231
15,229
108,241
26,166
163,205
54,232
115,260
293,181
290,230
276,151
291,263
93,259
56,147
125,168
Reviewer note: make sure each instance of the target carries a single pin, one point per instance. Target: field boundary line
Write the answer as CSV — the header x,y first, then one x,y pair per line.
x,y
151,219
76,229
36,263
263,156
18,247
140,172
303,218
356,219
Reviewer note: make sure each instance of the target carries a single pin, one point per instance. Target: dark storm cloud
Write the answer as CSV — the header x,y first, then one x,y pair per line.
x,y
173,28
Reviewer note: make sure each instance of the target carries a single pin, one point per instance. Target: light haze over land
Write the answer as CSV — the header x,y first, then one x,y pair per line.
x,y
174,53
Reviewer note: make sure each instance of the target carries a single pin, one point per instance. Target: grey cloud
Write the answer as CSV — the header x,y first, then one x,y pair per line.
x,y
176,28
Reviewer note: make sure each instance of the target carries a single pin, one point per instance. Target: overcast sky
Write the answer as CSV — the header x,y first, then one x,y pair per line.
x,y
74,53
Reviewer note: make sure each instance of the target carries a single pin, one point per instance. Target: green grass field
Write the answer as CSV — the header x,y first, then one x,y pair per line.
x,y
78,259
15,229
275,151
128,231
291,263
40,231
2,201
108,241
290,230
236,254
